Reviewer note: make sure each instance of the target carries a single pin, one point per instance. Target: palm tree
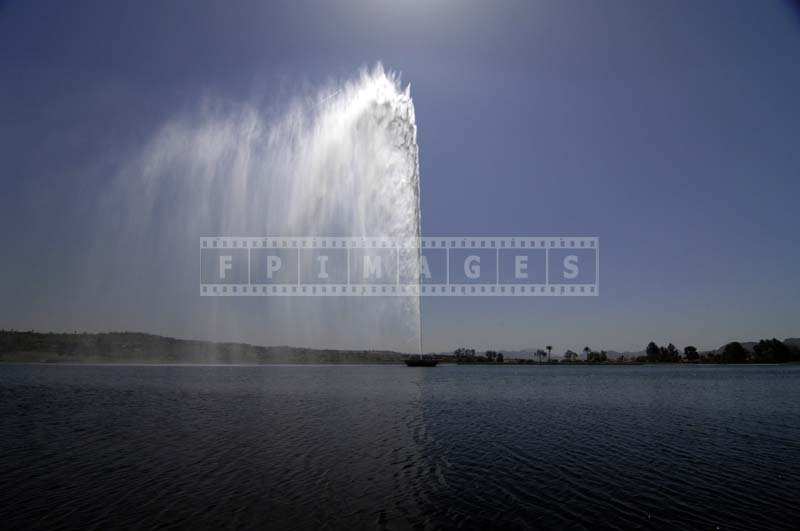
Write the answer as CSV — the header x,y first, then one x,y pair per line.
x,y
548,348
587,350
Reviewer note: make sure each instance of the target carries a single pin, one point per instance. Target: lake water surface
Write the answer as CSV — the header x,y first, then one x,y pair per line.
x,y
394,447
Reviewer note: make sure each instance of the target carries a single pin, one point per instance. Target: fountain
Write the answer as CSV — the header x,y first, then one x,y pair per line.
x,y
342,161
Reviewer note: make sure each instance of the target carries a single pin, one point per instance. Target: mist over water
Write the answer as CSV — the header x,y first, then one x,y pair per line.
x,y
342,161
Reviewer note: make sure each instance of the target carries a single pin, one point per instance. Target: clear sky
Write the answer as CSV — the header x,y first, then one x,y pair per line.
x,y
668,129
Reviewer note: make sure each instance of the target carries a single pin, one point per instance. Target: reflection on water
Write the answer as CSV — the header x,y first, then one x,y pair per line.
x,y
390,446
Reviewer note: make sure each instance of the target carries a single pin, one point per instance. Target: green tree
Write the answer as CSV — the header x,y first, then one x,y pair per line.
x,y
690,353
771,351
671,354
540,354
734,352
464,354
652,352
548,348
597,357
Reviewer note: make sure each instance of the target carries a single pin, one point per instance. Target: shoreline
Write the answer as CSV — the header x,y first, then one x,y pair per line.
x,y
146,363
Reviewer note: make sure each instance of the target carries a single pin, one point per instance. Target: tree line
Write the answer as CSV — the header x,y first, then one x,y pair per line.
x,y
765,351
468,355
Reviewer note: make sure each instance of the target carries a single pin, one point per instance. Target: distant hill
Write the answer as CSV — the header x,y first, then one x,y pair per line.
x,y
121,347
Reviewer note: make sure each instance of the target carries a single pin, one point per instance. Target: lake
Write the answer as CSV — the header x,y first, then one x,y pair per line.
x,y
354,446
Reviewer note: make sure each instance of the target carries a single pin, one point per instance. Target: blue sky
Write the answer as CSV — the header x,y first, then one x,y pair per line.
x,y
669,130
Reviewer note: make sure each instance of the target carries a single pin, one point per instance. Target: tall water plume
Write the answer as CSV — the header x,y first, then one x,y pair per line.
x,y
342,162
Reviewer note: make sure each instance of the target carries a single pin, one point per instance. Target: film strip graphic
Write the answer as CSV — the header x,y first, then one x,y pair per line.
x,y
438,266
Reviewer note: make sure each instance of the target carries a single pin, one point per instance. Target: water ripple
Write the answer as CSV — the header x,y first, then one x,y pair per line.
x,y
389,447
